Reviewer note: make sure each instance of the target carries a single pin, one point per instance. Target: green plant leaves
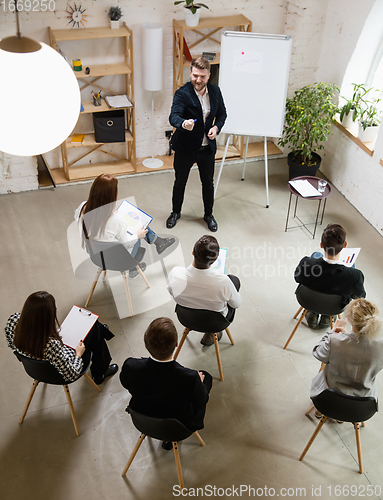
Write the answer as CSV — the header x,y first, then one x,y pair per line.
x,y
308,119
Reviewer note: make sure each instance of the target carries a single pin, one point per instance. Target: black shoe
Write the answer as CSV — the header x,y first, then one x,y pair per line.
x,y
312,319
324,321
133,273
172,220
211,222
167,445
208,339
112,369
167,242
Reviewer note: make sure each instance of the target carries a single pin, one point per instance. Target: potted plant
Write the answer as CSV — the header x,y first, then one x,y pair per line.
x,y
369,121
192,11
115,15
353,107
309,115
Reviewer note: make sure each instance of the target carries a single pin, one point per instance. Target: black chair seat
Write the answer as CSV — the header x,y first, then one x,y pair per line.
x,y
164,429
43,371
345,408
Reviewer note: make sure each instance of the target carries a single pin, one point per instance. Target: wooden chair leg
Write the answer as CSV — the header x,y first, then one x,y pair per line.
x,y
332,322
143,276
34,385
202,442
319,427
296,327
363,424
230,337
178,465
358,446
296,314
92,382
104,275
71,408
309,410
218,357
99,271
125,277
134,452
184,335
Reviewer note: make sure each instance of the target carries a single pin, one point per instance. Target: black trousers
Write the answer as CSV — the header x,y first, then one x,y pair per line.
x,y
237,284
95,344
182,165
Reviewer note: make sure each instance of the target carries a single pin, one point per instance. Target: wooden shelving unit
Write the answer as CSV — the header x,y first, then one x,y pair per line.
x,y
118,165
214,25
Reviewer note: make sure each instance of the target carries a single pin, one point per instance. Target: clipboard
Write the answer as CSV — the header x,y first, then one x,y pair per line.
x,y
133,216
220,264
76,326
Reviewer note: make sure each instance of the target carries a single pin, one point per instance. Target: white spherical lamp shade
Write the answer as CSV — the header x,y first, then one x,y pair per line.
x,y
40,101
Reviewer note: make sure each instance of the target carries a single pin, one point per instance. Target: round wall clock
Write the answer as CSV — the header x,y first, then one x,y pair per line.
x,y
76,16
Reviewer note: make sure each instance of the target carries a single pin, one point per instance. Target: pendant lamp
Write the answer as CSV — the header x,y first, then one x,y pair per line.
x,y
40,97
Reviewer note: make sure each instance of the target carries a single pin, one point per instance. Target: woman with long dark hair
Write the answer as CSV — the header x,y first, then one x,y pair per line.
x,y
99,220
35,333
353,358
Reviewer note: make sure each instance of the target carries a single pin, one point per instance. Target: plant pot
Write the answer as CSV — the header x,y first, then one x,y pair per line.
x,y
368,135
190,18
114,24
351,125
297,169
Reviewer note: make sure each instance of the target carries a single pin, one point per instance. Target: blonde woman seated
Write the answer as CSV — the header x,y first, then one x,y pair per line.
x,y
99,220
353,359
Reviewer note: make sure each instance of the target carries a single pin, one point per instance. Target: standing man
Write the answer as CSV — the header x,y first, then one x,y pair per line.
x,y
195,107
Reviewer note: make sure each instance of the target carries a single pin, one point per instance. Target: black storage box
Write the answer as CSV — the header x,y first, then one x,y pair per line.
x,y
109,126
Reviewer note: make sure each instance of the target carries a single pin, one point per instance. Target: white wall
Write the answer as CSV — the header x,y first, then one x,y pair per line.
x,y
324,37
358,176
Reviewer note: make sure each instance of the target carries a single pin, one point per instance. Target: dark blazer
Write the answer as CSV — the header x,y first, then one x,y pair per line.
x,y
337,279
186,105
165,390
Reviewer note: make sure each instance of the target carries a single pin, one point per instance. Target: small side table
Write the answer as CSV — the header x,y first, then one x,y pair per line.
x,y
314,181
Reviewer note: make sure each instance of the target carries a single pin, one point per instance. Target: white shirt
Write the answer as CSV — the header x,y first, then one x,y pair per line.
x,y
205,105
115,230
202,289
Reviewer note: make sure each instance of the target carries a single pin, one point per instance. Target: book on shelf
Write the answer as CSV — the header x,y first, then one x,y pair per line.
x,y
187,51
78,138
210,56
118,101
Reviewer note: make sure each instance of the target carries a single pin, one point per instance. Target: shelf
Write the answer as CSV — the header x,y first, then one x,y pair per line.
x,y
89,33
93,170
104,70
124,51
90,141
89,107
367,147
217,59
215,22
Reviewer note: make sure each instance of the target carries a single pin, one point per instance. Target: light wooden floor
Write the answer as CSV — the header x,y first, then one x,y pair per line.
x,y
255,428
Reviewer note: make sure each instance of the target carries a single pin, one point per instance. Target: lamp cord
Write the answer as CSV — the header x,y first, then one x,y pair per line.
x,y
17,20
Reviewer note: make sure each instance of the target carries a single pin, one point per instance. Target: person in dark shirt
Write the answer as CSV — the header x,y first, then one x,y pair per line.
x,y
161,387
326,274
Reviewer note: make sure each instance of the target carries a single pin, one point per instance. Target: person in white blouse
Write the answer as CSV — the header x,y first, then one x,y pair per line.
x,y
99,220
200,287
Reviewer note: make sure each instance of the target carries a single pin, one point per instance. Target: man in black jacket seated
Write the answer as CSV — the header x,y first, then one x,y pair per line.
x,y
161,387
326,275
